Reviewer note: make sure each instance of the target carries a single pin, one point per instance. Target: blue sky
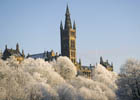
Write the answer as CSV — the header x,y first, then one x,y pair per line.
x,y
108,28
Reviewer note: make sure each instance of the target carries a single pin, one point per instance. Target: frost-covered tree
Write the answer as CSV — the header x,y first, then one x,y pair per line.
x,y
42,71
13,81
39,80
41,91
129,82
65,68
107,80
102,75
102,86
67,92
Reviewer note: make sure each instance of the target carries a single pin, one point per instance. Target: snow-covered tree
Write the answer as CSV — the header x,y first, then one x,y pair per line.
x,y
129,82
65,68
39,80
67,92
102,75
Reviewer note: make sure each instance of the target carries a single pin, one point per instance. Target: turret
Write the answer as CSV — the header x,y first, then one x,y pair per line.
x,y
61,26
111,64
74,25
23,53
80,62
17,47
101,60
6,47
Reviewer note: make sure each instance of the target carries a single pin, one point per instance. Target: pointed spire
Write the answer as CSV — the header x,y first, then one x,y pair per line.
x,y
74,25
67,10
61,25
101,60
67,19
23,53
111,64
17,47
6,46
80,62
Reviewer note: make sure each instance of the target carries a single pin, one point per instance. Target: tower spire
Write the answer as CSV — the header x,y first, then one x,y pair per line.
x,y
74,25
101,60
23,53
80,62
6,46
68,38
67,19
17,47
111,64
61,25
67,10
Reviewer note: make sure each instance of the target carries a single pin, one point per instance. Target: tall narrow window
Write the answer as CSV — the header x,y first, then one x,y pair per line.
x,y
72,44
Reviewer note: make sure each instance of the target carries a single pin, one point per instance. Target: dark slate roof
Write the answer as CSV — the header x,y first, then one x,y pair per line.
x,y
47,56
40,55
14,52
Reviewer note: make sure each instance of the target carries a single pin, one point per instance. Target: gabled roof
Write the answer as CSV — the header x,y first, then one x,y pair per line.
x,y
14,52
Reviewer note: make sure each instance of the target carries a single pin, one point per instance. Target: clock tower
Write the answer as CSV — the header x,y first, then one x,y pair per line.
x,y
68,37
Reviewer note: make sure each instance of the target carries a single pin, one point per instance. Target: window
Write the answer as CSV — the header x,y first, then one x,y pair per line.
x,y
73,54
72,44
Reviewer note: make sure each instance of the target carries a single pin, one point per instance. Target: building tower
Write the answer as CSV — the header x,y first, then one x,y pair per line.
x,y
68,37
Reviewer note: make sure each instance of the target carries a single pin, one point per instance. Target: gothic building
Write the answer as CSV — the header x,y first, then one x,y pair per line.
x,y
13,52
68,38
68,48
106,64
68,44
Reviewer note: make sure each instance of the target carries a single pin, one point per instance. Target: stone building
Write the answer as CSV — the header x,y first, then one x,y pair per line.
x,y
68,38
106,64
13,52
68,48
68,44
47,56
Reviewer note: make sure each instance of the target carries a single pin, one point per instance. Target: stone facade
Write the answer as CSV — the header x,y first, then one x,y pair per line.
x,y
68,45
106,64
68,48
13,52
68,38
